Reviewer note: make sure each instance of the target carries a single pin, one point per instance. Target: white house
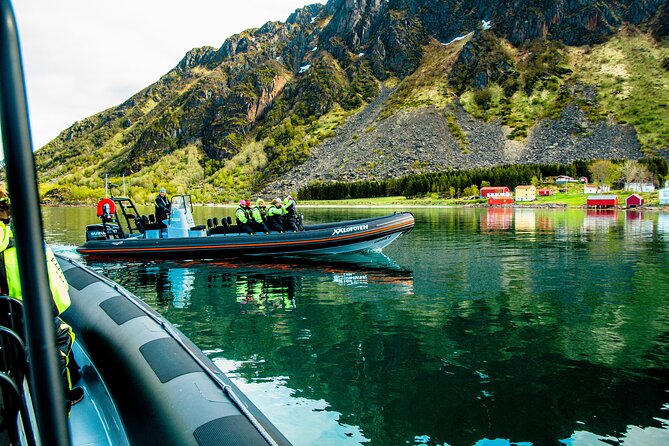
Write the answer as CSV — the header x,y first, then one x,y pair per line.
x,y
663,195
595,189
640,187
564,179
589,188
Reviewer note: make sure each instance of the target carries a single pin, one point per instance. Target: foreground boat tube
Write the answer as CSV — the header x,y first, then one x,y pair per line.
x,y
166,390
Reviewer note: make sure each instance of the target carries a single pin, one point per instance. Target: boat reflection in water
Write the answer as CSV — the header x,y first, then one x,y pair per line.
x,y
267,285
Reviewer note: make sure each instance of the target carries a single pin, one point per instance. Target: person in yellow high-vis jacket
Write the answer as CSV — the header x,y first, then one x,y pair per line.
x,y
10,285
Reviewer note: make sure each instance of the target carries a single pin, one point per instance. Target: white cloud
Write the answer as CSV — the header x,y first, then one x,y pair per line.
x,y
83,56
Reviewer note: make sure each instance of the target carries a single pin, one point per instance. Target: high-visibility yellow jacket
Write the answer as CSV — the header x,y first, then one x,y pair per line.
x,y
57,283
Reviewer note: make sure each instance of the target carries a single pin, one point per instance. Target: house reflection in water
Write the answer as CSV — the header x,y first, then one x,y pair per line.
x,y
638,227
663,225
497,218
600,221
525,220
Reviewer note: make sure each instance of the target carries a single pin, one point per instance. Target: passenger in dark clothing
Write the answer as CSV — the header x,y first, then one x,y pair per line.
x,y
290,222
243,216
163,206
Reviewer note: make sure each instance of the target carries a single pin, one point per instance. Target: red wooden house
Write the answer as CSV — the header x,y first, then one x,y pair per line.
x,y
545,192
602,201
500,199
633,201
494,190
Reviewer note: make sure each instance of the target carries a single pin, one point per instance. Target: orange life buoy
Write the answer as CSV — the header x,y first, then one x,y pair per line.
x,y
106,202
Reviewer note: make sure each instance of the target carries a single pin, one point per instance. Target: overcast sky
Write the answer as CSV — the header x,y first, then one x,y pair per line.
x,y
83,56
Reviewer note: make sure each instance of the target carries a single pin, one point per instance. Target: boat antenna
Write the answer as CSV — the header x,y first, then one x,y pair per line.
x,y
106,185
25,207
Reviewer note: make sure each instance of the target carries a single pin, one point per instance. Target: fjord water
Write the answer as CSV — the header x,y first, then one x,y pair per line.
x,y
481,326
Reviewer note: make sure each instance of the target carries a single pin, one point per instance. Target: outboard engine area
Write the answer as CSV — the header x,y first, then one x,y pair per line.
x,y
101,231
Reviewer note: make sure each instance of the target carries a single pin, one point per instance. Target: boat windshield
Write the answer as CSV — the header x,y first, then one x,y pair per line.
x,y
182,202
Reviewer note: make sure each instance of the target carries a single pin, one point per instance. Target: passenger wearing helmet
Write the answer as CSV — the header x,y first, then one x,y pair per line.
x,y
274,214
243,215
258,215
290,220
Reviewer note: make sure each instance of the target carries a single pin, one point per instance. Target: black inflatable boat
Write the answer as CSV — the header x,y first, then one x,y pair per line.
x,y
177,237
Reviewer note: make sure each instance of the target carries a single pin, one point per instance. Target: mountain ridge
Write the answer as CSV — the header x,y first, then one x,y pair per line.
x,y
257,112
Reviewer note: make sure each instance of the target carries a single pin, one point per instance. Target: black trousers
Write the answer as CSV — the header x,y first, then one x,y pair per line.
x,y
69,368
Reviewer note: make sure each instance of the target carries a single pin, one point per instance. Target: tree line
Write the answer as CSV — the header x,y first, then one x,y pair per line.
x,y
457,183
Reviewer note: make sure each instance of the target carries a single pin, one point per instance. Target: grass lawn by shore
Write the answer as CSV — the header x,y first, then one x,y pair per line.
x,y
573,198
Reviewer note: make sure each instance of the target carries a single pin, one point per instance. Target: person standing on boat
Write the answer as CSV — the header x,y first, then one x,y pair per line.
x,y
290,215
10,285
163,206
243,215
259,214
274,215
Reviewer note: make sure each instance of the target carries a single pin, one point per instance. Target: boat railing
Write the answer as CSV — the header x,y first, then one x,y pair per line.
x,y
19,160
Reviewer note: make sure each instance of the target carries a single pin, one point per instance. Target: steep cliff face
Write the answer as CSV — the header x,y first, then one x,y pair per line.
x,y
259,105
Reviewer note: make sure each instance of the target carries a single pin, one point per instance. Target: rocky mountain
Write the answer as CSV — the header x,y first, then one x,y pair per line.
x,y
359,89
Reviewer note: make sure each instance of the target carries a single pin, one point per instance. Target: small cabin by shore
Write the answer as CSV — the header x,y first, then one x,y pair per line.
x,y
590,188
494,190
602,201
499,199
545,192
564,179
634,201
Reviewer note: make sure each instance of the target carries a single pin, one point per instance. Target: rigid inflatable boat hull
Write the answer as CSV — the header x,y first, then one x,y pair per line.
x,y
330,238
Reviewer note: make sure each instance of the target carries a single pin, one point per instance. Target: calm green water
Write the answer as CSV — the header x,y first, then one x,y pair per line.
x,y
479,327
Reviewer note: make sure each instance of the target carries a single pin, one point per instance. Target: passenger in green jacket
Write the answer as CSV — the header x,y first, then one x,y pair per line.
x,y
10,285
258,215
274,215
243,216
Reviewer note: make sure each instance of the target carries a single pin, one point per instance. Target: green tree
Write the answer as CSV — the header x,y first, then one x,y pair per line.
x,y
604,171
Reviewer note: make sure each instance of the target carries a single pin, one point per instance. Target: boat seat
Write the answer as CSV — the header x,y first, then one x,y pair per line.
x,y
10,404
215,221
11,315
210,224
12,354
152,218
229,220
160,225
217,230
14,366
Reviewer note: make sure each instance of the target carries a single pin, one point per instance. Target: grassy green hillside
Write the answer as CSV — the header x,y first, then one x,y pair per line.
x,y
223,132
